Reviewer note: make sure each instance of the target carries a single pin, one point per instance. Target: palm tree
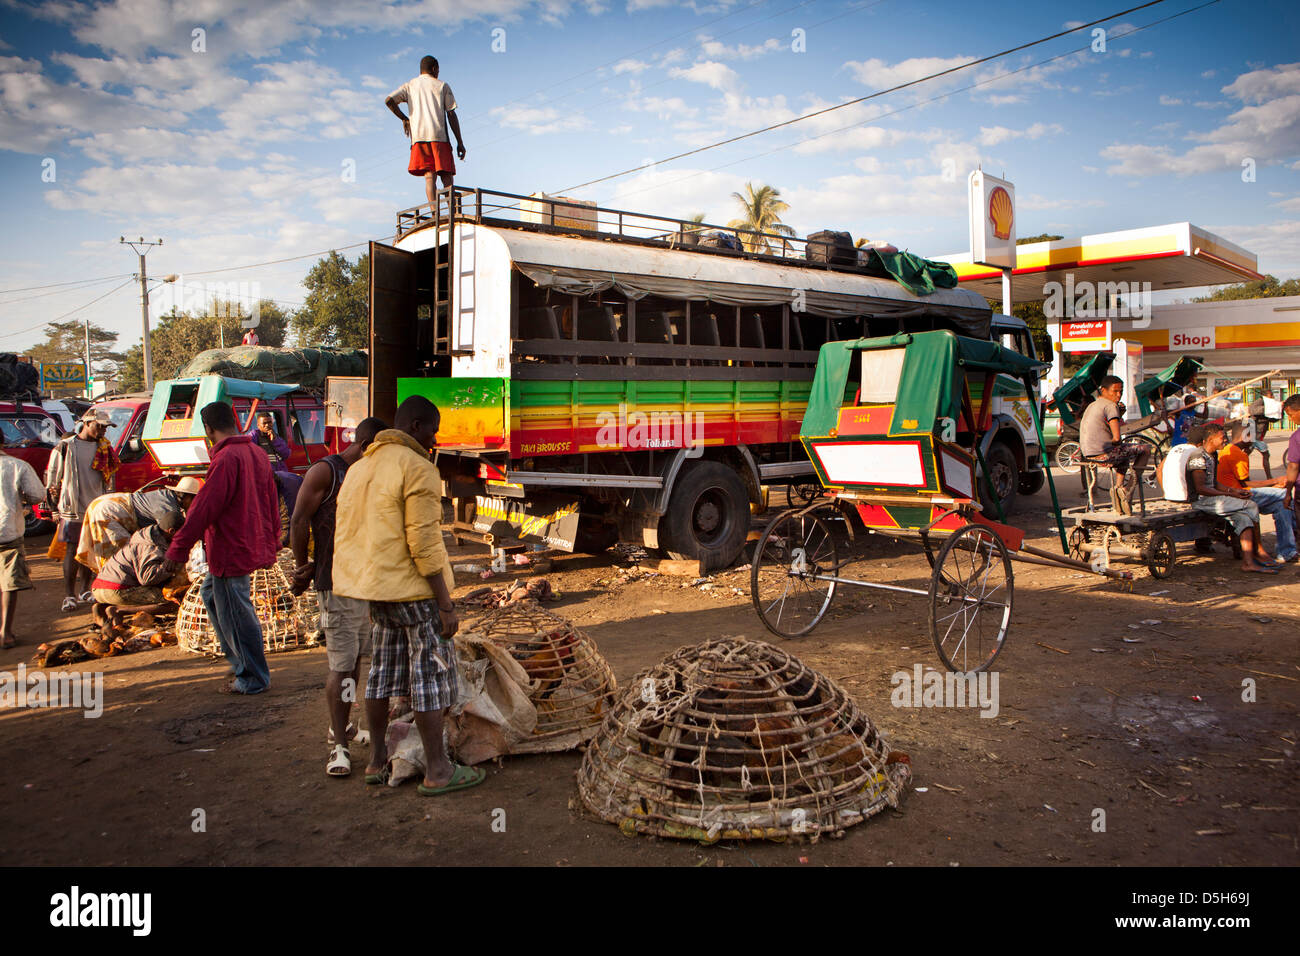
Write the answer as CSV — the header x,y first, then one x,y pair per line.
x,y
698,220
762,210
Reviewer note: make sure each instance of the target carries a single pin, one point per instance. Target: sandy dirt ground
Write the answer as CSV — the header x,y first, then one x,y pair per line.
x,y
1144,721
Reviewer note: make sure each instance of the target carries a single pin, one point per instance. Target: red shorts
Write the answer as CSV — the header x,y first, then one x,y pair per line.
x,y
431,158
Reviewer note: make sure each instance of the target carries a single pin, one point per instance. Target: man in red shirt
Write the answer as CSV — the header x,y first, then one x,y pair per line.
x,y
237,513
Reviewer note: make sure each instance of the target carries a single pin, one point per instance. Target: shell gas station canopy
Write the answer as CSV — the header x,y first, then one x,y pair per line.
x,y
1175,256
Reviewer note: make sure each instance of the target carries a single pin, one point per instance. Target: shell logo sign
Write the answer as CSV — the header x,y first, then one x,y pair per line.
x,y
992,208
1001,213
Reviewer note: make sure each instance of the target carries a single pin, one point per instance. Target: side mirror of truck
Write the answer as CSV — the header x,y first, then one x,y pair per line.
x,y
135,446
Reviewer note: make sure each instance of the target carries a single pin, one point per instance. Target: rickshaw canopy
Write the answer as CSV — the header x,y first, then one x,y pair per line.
x,y
1071,397
1169,381
930,382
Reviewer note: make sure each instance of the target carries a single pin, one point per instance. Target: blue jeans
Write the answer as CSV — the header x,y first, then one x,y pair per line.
x,y
1272,501
231,614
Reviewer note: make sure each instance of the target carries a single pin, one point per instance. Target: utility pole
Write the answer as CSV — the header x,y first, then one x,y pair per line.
x,y
142,249
89,373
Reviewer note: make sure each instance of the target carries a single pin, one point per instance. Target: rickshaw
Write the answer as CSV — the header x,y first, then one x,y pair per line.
x,y
896,440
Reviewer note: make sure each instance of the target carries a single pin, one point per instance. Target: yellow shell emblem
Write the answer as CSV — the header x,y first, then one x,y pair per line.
x,y
1001,213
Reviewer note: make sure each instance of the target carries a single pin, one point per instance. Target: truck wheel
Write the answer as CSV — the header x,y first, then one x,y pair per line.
x,y
33,525
1005,477
1031,482
708,515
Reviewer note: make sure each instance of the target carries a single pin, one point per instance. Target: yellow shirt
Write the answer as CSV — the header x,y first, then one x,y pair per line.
x,y
387,527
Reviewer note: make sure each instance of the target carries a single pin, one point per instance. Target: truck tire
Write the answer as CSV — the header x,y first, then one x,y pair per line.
x,y
1031,482
708,515
1005,477
33,525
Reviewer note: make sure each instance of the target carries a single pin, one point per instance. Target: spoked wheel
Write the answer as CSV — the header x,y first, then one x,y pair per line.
x,y
1162,553
1078,538
795,548
802,493
970,599
1068,457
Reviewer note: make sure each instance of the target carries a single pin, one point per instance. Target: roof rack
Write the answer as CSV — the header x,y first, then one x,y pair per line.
x,y
542,213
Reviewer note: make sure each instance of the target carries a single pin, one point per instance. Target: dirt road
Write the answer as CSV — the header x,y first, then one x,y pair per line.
x,y
1146,722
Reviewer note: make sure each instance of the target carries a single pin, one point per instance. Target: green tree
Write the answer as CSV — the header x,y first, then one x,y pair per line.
x,y
179,336
1264,288
336,312
1041,237
66,342
760,213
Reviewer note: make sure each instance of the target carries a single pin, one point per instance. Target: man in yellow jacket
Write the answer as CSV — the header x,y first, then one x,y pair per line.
x,y
388,550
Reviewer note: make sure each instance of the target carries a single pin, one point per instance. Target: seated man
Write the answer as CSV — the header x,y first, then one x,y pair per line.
x,y
1235,504
133,579
278,451
1099,436
111,519
1269,494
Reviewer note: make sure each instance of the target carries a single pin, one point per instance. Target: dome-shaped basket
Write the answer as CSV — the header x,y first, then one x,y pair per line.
x,y
283,627
571,685
738,740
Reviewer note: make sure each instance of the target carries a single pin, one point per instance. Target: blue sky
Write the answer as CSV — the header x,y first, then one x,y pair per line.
x,y
235,153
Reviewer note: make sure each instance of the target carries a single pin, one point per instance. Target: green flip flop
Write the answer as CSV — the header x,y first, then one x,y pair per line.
x,y
462,778
377,779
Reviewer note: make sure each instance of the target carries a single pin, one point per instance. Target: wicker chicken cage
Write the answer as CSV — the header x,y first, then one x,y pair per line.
x,y
283,626
738,740
571,685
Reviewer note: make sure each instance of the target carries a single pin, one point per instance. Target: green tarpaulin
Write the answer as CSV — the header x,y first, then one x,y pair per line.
x,y
929,385
1071,397
308,367
1167,382
917,275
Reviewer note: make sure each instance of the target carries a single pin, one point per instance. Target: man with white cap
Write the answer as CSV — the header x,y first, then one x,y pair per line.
x,y
111,519
80,469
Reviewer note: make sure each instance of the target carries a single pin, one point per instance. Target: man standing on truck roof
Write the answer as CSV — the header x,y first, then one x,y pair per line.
x,y
237,514
80,469
345,621
433,109
388,541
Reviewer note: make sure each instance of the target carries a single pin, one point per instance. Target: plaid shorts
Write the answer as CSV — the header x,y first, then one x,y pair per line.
x,y
409,655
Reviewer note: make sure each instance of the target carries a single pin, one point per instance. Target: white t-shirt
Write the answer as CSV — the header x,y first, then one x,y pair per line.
x,y
429,99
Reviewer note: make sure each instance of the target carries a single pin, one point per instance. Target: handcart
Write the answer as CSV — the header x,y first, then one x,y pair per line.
x,y
895,438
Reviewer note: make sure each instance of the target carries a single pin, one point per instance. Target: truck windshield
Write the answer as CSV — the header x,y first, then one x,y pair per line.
x,y
28,431
120,418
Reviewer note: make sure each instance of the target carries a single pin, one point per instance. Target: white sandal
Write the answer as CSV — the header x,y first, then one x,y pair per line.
x,y
69,604
351,732
340,764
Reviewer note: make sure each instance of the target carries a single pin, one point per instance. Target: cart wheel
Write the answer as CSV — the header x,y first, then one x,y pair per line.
x,y
1162,553
795,548
802,493
1068,457
1078,538
970,599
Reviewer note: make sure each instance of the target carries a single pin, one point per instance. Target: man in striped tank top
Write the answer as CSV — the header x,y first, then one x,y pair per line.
x,y
345,621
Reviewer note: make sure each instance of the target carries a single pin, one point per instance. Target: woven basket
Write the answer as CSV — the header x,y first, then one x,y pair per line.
x,y
283,627
571,685
738,740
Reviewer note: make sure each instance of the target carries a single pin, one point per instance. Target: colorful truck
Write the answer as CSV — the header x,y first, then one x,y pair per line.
x,y
611,379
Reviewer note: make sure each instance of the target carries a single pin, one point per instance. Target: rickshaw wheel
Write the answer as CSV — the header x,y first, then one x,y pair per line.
x,y
1078,538
802,493
1162,554
970,599
795,547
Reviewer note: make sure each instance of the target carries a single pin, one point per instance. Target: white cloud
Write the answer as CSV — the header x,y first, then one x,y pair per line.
x,y
741,51
1207,74
993,135
538,120
879,75
630,66
1170,100
1290,205
1266,131
710,73
1277,244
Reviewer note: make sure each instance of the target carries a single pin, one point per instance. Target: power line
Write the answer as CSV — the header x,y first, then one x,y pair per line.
x,y
273,262
55,285
861,99
84,284
919,103
70,312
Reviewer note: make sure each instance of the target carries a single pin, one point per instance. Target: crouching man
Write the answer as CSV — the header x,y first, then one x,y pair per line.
x,y
133,579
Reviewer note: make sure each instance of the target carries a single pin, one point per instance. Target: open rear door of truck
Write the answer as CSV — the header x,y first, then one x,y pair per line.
x,y
394,351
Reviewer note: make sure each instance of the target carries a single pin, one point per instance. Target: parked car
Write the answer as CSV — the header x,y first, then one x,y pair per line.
x,y
29,432
299,419
64,415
